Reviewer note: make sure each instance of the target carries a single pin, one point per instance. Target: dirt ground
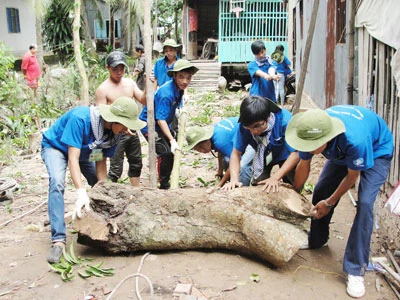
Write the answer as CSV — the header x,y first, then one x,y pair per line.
x,y
25,241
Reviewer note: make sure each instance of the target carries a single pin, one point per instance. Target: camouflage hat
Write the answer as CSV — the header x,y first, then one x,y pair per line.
x,y
278,56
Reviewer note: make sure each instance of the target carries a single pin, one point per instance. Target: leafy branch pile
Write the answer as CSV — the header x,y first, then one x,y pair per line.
x,y
69,263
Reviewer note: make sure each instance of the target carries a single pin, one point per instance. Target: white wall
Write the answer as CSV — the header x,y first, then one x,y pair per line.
x,y
18,42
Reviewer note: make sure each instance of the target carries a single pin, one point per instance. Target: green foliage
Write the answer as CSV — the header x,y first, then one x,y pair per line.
x,y
9,87
57,28
69,262
169,16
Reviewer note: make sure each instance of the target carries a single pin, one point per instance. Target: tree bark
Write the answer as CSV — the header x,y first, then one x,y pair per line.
x,y
246,220
76,25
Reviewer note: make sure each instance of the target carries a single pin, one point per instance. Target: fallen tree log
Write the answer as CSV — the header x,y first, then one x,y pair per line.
x,y
246,220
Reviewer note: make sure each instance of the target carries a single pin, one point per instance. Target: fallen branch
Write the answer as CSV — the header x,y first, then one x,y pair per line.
x,y
24,214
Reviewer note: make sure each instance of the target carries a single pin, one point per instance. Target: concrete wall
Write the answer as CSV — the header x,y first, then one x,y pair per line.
x,y
18,42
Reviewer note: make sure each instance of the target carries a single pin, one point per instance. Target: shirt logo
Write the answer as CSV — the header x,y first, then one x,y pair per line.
x,y
358,162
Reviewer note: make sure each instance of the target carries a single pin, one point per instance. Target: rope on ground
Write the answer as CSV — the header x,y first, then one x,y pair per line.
x,y
315,270
135,275
24,214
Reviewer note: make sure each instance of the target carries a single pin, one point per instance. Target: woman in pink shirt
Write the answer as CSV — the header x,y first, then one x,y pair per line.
x,y
30,68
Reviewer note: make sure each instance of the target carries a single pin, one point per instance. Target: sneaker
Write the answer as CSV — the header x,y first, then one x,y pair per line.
x,y
55,254
355,286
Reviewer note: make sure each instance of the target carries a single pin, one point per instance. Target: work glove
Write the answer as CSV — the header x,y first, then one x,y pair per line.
x,y
81,201
174,146
185,99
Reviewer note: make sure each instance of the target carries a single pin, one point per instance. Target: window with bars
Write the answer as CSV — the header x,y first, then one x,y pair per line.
x,y
13,20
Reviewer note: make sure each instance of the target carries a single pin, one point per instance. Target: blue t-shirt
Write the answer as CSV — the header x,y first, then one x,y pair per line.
x,y
166,100
366,138
160,70
260,86
283,67
224,132
277,142
73,129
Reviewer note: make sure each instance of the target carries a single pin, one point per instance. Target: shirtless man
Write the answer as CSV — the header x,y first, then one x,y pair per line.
x,y
111,89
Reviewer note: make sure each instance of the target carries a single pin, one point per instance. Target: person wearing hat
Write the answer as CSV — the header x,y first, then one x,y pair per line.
x,y
81,140
115,86
139,70
219,138
262,72
357,144
262,126
282,66
166,100
166,63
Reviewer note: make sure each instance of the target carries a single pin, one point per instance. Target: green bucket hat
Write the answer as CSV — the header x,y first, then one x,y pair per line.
x,y
278,56
170,43
181,65
196,135
309,130
124,110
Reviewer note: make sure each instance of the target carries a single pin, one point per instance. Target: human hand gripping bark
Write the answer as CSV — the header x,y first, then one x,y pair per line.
x,y
82,201
321,209
270,184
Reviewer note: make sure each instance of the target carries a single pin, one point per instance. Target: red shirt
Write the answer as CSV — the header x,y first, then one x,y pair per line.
x,y
31,65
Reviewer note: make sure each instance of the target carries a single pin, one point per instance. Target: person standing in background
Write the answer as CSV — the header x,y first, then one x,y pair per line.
x,y
112,88
262,72
31,69
139,70
166,63
282,65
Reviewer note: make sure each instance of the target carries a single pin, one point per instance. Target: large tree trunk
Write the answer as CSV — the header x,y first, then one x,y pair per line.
x,y
246,220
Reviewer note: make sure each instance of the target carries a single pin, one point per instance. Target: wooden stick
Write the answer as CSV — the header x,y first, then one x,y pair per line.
x,y
178,154
394,262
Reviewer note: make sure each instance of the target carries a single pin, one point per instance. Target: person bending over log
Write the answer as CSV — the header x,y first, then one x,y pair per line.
x,y
357,144
82,139
219,138
262,126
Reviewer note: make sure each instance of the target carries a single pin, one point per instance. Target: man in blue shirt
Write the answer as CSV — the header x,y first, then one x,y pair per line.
x,y
166,100
262,126
262,72
166,63
357,144
219,138
82,139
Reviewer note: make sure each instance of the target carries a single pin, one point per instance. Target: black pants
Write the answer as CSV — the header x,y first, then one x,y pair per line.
x,y
165,159
129,146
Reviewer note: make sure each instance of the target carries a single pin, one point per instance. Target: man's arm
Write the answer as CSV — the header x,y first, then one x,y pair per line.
x,y
273,181
139,95
165,129
101,169
100,96
73,165
234,167
301,175
322,208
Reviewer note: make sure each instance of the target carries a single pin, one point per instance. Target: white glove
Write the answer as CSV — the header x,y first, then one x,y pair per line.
x,y
174,146
81,201
185,99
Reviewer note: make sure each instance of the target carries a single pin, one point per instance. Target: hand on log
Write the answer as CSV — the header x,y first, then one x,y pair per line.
x,y
246,220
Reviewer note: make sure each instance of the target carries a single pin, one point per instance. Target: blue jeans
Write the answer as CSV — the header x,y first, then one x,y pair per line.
x,y
56,164
246,165
358,245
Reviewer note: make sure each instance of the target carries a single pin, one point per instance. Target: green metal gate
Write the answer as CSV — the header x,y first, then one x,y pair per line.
x,y
243,21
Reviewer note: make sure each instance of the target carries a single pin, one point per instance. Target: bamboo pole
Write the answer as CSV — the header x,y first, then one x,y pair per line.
x,y
306,56
150,96
174,181
350,80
